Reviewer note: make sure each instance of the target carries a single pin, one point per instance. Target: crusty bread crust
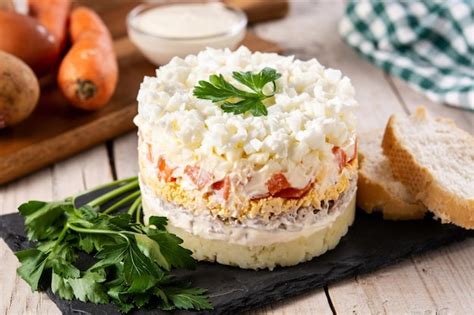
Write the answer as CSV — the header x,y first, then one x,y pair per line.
x,y
446,205
377,189
372,196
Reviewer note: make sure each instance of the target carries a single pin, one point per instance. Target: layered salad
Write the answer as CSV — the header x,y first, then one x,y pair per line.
x,y
252,157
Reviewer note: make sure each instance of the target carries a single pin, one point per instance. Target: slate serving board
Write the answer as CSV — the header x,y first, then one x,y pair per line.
x,y
371,243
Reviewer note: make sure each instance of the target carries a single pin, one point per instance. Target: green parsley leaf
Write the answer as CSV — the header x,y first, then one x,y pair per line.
x,y
65,269
43,219
170,248
188,298
89,287
139,271
256,82
235,100
132,260
32,262
93,242
152,250
61,287
158,222
110,255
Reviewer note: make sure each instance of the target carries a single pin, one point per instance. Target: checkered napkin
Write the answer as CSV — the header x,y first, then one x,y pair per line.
x,y
428,43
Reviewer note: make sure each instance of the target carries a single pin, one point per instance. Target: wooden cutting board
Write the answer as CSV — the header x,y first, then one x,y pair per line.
x,y
56,130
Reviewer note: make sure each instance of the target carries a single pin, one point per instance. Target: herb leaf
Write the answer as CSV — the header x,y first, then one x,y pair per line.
x,y
170,248
61,287
132,261
41,218
235,100
187,298
32,262
89,287
256,82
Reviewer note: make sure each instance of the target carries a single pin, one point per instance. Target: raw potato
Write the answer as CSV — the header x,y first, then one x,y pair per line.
x,y
19,90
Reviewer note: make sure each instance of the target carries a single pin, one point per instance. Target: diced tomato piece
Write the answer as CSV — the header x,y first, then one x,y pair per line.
x,y
341,157
277,183
199,177
278,186
218,185
354,154
164,171
222,187
293,192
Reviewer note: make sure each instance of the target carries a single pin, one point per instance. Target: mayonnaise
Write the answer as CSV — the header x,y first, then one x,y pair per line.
x,y
165,31
187,20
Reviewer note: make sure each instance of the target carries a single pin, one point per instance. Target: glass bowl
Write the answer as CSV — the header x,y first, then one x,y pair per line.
x,y
160,49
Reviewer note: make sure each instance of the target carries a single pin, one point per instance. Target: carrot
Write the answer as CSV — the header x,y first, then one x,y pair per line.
x,y
164,171
53,15
88,73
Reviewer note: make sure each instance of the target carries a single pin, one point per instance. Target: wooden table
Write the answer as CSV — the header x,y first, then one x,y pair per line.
x,y
439,282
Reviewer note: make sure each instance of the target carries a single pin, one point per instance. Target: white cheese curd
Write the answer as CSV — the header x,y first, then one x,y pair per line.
x,y
310,114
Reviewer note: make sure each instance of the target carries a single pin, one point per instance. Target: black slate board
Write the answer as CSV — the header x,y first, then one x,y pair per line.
x,y
371,243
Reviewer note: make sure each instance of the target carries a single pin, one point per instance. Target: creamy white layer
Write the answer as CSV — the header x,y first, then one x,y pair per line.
x,y
250,232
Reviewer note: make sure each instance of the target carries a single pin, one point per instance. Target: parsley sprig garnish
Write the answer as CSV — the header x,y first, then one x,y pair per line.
x,y
132,260
235,100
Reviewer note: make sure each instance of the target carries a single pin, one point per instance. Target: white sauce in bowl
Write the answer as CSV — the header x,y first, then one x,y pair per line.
x,y
162,32
187,20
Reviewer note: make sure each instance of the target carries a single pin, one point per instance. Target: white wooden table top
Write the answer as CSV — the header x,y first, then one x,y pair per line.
x,y
439,282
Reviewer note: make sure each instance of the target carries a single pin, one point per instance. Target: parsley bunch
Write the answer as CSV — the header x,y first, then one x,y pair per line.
x,y
237,101
132,261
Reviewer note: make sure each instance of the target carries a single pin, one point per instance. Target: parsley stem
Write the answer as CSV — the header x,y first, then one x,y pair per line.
x,y
138,214
96,231
60,238
114,183
135,205
114,193
122,202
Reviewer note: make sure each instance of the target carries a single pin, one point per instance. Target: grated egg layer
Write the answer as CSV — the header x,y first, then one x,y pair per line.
x,y
310,114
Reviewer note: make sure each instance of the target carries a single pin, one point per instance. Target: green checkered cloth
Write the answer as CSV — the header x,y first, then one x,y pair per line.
x,y
429,44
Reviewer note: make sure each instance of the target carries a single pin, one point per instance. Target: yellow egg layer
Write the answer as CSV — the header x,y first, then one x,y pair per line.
x,y
263,208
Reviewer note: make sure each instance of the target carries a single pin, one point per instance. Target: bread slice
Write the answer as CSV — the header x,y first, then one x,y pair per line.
x,y
434,159
377,189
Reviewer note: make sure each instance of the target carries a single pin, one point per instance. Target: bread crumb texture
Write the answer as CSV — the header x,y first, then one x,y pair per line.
x,y
378,190
434,159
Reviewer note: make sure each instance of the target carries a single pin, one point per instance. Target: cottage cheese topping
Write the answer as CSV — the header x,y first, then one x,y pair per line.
x,y
311,112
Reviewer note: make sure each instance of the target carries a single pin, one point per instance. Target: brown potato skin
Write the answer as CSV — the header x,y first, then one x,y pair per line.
x,y
25,38
19,90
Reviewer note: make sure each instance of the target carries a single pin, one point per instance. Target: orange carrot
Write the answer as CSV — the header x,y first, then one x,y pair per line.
x,y
88,73
53,15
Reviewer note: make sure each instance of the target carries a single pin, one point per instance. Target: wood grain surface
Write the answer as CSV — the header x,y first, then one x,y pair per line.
x,y
439,282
